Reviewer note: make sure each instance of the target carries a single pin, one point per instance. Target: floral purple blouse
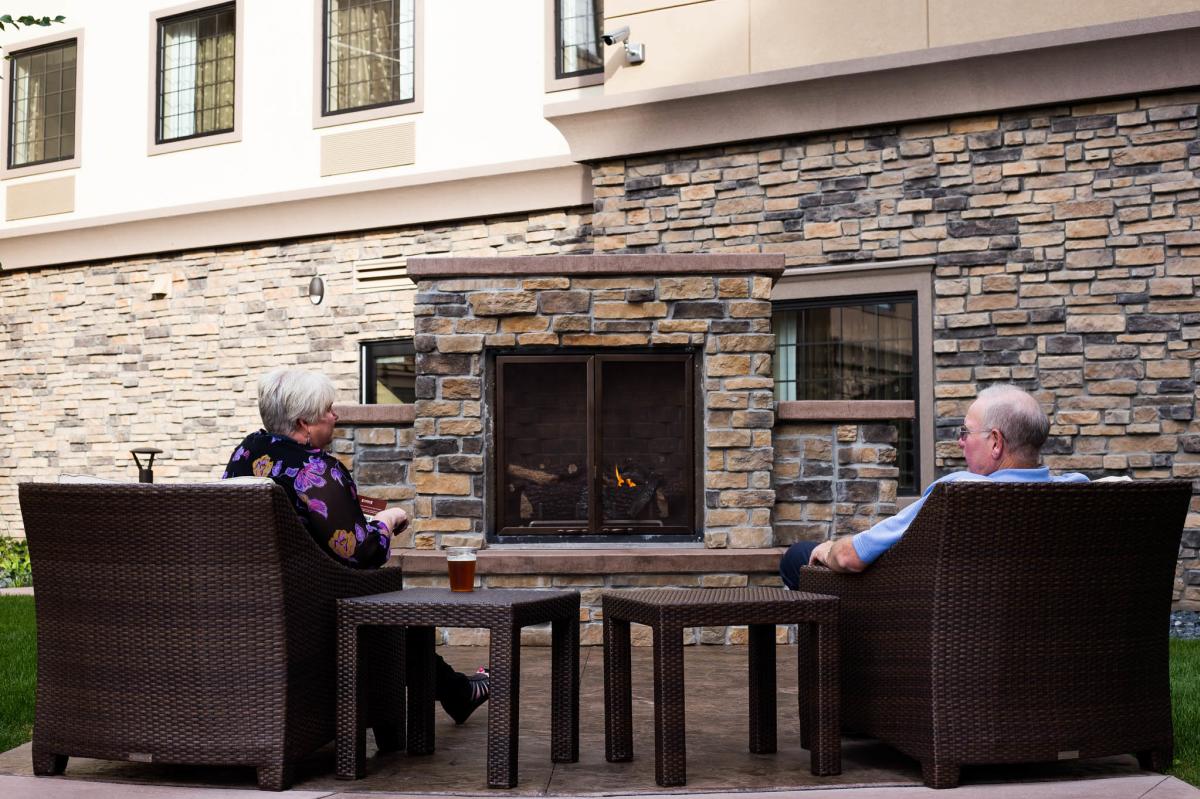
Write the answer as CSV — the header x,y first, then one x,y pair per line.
x,y
322,492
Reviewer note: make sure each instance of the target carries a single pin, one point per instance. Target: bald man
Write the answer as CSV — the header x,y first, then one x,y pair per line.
x,y
1001,438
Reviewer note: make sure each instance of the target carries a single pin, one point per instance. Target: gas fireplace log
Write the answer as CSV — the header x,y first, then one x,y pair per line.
x,y
541,477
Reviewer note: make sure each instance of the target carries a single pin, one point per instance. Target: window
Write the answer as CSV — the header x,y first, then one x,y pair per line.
x,y
369,54
389,372
574,52
577,40
41,106
196,74
852,349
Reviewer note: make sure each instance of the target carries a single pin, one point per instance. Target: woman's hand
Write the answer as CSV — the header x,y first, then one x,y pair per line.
x,y
395,519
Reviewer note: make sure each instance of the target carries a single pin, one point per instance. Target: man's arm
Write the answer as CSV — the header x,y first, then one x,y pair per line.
x,y
838,555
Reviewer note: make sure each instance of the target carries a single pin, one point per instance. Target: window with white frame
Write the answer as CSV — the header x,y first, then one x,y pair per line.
x,y
41,104
577,37
852,349
196,74
369,54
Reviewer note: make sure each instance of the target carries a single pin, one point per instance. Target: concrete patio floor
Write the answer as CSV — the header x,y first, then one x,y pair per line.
x,y
719,763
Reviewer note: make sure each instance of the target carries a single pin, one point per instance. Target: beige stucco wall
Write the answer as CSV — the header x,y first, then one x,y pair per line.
x,y
706,39
959,21
785,33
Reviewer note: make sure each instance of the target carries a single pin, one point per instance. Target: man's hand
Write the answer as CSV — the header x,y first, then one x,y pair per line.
x,y
820,554
838,556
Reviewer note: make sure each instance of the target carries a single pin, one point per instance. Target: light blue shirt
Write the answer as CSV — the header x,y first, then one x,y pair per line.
x,y
870,544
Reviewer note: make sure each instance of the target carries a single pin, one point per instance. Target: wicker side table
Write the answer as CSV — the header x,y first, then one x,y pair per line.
x,y
667,612
503,613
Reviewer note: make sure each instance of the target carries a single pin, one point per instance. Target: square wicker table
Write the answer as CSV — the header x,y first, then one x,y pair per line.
x,y
503,613
667,611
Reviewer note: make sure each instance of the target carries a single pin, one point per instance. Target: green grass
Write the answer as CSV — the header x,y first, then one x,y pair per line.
x,y
18,670
18,666
1185,702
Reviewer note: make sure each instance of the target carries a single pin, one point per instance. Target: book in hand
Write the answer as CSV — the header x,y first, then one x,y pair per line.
x,y
371,505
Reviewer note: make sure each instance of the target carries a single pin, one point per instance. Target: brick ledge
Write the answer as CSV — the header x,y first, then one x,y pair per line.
x,y
403,413
630,560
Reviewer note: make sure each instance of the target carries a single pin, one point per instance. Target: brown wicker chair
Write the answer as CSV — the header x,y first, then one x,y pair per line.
x,y
191,624
1016,622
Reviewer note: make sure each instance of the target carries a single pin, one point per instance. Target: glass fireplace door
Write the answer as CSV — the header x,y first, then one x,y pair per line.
x,y
644,445
570,428
542,443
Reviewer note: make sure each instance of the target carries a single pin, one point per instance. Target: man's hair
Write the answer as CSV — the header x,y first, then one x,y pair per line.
x,y
1018,417
288,395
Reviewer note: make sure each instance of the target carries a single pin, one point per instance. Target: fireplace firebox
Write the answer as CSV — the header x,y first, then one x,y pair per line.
x,y
595,444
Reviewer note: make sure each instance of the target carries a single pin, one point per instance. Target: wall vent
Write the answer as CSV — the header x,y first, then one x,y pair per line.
x,y
373,148
383,274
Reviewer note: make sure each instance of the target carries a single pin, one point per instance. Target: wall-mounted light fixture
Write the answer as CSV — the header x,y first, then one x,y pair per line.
x,y
634,53
316,290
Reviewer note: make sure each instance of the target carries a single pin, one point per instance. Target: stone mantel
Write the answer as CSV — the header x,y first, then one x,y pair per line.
x,y
439,267
623,560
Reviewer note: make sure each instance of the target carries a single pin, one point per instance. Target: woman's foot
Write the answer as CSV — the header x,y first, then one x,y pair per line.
x,y
467,701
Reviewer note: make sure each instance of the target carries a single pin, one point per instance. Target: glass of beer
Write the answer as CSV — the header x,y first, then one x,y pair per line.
x,y
460,561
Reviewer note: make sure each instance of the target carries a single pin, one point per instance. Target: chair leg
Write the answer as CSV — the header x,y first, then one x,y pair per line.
x,y
47,764
275,777
1155,759
937,774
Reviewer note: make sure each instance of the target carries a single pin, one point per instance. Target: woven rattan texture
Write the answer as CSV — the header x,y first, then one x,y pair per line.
x,y
199,627
667,612
503,612
1016,622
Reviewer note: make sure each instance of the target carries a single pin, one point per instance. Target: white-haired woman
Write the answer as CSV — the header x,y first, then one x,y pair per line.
x,y
298,419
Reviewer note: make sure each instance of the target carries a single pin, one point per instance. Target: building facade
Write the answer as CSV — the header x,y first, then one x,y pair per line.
x,y
958,196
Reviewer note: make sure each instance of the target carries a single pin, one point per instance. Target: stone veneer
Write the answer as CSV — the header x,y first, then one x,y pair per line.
x,y
1065,241
718,305
98,358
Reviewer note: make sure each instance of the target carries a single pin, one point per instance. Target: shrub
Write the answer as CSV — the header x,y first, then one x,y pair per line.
x,y
14,563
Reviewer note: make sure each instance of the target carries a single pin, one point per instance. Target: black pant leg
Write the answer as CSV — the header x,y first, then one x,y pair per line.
x,y
797,555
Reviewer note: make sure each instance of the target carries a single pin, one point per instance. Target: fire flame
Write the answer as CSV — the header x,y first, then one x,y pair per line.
x,y
621,481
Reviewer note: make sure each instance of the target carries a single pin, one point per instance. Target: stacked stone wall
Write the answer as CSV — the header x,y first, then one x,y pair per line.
x,y
1066,245
832,479
98,358
1066,242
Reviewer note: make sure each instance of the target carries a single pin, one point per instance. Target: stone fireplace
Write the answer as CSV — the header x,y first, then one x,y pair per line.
x,y
595,399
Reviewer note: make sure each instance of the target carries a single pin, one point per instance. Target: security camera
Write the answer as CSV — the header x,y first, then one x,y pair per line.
x,y
617,36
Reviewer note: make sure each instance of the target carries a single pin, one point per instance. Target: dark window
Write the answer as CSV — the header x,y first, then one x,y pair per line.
x,y
41,107
859,349
577,37
389,372
196,74
369,53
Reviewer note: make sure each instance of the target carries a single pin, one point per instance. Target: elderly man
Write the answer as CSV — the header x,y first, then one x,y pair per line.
x,y
1001,438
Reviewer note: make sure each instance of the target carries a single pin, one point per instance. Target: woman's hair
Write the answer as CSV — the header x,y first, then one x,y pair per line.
x,y
1018,417
288,395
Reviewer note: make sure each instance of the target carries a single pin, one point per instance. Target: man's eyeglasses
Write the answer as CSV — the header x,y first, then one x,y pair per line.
x,y
965,431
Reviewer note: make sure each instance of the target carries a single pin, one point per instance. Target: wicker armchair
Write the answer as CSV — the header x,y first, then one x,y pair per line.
x,y
1016,622
191,624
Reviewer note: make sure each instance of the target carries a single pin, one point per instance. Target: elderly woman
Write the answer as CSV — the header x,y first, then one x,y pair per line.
x,y
297,414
